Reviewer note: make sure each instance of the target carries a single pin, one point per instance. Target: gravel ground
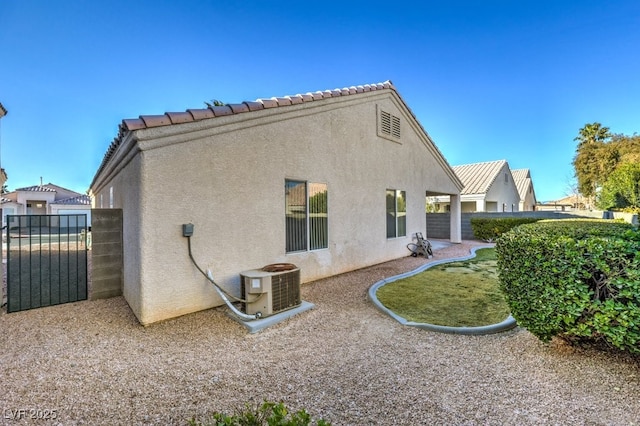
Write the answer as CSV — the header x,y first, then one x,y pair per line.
x,y
92,363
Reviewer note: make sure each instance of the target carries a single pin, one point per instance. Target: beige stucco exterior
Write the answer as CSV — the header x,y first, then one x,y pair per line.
x,y
226,175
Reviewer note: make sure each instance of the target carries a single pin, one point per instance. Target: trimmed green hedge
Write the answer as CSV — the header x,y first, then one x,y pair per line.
x,y
577,279
490,228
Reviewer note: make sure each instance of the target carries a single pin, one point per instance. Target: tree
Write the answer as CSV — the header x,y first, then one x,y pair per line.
x,y
622,189
594,159
628,147
598,163
592,133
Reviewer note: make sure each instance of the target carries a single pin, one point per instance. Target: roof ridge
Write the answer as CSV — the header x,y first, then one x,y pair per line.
x,y
37,188
190,115
82,199
481,162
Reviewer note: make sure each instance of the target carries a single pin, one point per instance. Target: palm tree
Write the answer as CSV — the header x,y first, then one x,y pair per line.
x,y
592,133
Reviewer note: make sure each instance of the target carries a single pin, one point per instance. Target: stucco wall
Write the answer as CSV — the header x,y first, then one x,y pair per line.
x,y
504,192
227,175
126,188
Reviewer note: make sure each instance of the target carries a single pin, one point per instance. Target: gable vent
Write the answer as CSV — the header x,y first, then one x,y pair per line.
x,y
389,125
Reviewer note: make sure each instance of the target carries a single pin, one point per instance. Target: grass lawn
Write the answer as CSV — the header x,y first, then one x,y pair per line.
x,y
455,294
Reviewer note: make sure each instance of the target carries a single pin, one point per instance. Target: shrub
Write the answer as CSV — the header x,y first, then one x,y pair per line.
x,y
579,280
265,414
490,229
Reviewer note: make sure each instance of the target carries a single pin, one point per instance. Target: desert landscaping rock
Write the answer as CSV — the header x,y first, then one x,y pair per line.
x,y
344,361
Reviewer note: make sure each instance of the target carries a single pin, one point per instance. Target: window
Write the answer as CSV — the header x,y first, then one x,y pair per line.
x,y
388,126
396,213
111,197
306,216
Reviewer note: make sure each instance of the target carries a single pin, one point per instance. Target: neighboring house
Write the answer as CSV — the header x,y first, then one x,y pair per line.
x,y
522,178
569,203
488,187
44,200
331,181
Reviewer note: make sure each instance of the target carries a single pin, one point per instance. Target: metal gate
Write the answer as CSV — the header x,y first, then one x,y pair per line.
x,y
46,260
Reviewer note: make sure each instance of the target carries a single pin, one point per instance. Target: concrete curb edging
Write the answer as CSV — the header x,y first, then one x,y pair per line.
x,y
505,325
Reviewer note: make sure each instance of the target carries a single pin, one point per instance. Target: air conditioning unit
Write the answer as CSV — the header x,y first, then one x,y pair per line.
x,y
270,292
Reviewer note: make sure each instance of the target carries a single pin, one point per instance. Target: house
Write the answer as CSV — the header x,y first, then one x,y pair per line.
x,y
568,203
522,179
45,199
330,181
488,187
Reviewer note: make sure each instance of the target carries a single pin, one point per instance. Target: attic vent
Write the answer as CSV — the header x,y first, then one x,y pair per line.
x,y
389,126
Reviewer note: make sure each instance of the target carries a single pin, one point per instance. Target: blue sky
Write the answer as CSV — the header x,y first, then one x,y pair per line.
x,y
488,80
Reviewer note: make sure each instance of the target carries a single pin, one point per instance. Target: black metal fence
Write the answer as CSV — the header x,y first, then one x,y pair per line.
x,y
46,260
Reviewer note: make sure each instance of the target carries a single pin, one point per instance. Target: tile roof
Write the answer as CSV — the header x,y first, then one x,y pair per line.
x,y
37,188
522,179
80,200
192,115
3,111
478,177
168,118
62,195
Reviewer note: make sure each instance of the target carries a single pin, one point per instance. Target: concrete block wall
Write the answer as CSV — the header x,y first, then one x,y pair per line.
x,y
106,253
438,223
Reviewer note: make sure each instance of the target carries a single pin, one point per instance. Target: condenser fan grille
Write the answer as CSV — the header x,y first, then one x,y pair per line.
x,y
286,290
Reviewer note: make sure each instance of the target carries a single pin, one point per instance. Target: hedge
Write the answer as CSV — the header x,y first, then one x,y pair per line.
x,y
576,279
490,229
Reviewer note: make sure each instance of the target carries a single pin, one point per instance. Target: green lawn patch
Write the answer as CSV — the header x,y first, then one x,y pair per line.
x,y
456,294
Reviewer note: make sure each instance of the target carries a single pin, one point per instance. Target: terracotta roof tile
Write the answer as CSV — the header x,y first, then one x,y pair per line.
x,y
220,111
155,120
254,106
297,99
238,108
179,117
283,101
269,103
133,123
201,114
149,121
